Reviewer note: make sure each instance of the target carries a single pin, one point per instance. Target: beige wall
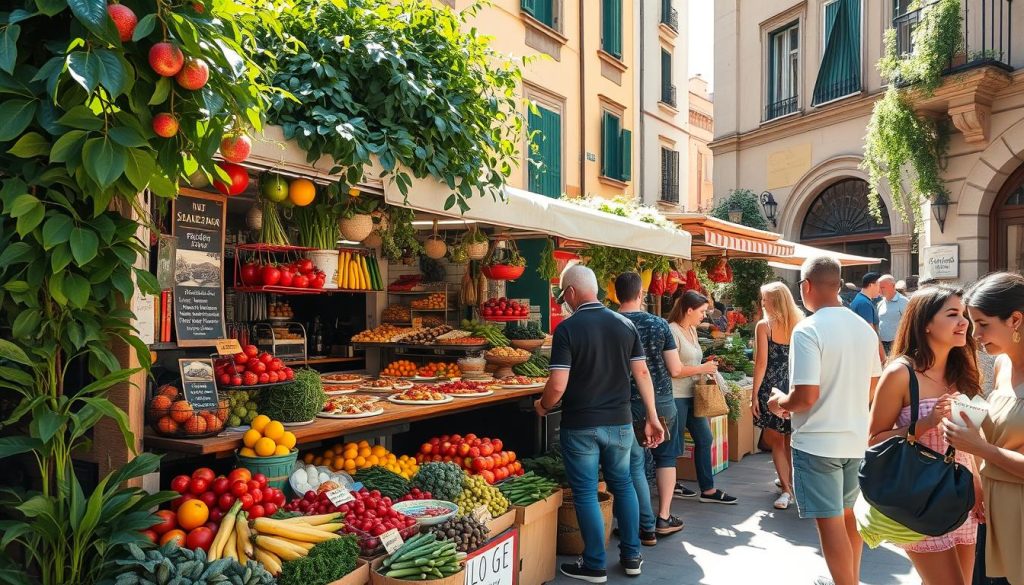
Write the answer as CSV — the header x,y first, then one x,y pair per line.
x,y
554,77
700,168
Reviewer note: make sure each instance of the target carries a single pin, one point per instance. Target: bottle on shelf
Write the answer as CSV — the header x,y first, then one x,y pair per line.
x,y
317,337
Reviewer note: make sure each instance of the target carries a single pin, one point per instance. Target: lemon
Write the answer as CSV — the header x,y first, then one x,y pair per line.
x,y
287,440
364,452
360,462
250,437
259,423
282,450
379,450
246,452
273,431
351,453
265,447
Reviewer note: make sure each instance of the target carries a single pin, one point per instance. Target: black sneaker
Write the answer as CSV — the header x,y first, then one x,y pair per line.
x,y
719,497
648,538
632,566
669,525
578,571
682,491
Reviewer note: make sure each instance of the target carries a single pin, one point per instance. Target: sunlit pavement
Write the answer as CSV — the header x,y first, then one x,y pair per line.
x,y
750,543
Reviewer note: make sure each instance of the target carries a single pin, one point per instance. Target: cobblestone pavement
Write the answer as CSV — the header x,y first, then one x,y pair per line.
x,y
750,543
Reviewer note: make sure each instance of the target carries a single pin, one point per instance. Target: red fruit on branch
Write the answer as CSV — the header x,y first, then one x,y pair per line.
x,y
194,74
165,125
239,179
235,148
166,59
124,19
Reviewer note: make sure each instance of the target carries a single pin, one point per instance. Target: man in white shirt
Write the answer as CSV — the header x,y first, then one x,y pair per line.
x,y
890,311
833,369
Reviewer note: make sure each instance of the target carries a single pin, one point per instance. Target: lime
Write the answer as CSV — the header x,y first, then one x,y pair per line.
x,y
274,188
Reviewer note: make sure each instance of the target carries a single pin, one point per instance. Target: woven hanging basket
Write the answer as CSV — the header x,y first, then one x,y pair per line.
x,y
477,250
435,248
373,240
357,227
254,218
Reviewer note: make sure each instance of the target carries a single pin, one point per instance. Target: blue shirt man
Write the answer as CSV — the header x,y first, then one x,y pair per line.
x,y
863,304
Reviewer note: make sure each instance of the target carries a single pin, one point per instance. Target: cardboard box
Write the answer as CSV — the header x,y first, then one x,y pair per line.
x,y
741,432
360,576
500,524
496,563
379,579
538,533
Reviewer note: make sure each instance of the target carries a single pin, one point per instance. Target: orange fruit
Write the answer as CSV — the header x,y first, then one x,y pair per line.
x,y
308,458
160,402
264,447
338,463
282,450
287,440
273,431
176,536
196,425
301,192
212,422
259,422
167,426
168,390
181,411
250,437
246,452
193,514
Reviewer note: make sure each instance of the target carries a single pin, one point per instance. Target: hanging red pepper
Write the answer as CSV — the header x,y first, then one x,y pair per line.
x,y
728,272
657,287
673,282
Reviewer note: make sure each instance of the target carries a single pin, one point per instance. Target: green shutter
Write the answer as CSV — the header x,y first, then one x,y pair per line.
x,y
530,6
626,145
545,176
542,10
840,65
666,77
611,27
611,158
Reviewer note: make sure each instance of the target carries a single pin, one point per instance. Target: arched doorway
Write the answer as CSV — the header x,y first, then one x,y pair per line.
x,y
1007,225
838,219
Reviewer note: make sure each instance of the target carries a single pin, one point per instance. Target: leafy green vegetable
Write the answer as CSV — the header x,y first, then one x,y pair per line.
x,y
326,562
297,401
173,564
383,480
529,331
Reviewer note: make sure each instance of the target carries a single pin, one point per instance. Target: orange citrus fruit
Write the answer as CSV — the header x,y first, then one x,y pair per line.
x,y
265,447
193,514
301,192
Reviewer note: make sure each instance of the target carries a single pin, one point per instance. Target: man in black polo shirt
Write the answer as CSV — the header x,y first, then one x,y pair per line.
x,y
594,356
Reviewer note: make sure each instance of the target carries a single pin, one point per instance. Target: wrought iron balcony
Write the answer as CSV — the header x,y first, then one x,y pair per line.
x,y
669,15
780,108
986,27
668,95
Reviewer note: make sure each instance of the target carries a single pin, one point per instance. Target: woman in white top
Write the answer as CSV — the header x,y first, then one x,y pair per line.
x,y
771,370
687,312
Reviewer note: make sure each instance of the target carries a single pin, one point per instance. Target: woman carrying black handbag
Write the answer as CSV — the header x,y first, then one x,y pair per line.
x,y
933,359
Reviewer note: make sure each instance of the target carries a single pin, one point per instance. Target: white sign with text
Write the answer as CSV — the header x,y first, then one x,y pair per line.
x,y
496,563
942,261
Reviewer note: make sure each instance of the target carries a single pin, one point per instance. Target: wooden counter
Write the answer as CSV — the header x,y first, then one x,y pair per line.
x,y
327,428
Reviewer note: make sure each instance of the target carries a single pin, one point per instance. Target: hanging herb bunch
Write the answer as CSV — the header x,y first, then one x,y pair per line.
x,y
398,235
547,269
318,222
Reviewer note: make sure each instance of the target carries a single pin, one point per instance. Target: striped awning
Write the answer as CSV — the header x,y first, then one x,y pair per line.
x,y
717,237
744,245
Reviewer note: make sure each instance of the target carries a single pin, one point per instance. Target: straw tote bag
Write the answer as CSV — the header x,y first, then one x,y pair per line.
x,y
709,398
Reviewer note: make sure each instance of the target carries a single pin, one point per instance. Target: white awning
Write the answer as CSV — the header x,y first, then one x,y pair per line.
x,y
525,211
802,252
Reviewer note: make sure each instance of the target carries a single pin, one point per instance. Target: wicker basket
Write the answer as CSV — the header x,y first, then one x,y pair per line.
x,y
504,365
277,468
373,240
435,248
527,344
477,250
357,227
570,540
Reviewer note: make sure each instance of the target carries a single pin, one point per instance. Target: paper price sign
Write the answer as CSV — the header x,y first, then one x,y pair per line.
x,y
391,540
495,564
228,347
340,496
482,514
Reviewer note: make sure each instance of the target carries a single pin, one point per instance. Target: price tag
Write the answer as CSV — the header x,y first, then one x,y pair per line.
x,y
417,322
228,347
340,496
496,563
482,514
391,540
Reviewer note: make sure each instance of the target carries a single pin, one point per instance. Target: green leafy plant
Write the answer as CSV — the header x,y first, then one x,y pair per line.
x,y
77,146
748,276
358,205
297,401
547,268
368,79
734,398
398,237
173,564
900,141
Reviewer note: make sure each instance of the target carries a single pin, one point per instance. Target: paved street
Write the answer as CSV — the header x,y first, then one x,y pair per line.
x,y
750,543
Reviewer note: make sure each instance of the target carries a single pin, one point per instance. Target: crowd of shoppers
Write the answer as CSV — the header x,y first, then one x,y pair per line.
x,y
626,382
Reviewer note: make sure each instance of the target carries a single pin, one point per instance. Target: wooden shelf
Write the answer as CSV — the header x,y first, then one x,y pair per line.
x,y
324,360
420,346
291,290
417,292
324,429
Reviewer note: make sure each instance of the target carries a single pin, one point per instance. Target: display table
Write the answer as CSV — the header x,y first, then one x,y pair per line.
x,y
741,431
225,444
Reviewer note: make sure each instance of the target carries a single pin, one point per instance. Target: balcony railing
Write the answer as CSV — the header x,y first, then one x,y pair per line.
x,y
780,108
668,95
987,30
669,15
669,191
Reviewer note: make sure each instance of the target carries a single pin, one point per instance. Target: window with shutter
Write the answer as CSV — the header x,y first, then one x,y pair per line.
x,y
839,74
616,148
668,91
611,27
783,71
542,10
669,175
545,173
626,153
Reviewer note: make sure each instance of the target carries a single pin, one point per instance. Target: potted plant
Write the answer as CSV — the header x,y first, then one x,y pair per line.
x,y
356,221
477,244
398,236
318,227
435,248
504,262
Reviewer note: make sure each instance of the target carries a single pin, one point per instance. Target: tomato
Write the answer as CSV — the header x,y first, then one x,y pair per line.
x,y
241,358
486,449
287,277
304,265
258,367
474,452
264,378
257,511
257,495
317,282
165,521
270,508
250,379
497,444
247,501
269,494
236,380
511,456
275,365
216,515
425,448
224,379
250,273
478,464
488,476
278,497
201,537
176,536
152,536
239,488
273,377
266,358
177,502
300,281
208,498
220,485
289,373
199,485
435,441
464,449
181,484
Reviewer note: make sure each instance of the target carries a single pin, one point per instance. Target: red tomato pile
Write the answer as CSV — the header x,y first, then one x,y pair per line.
x,y
502,307
251,367
483,457
204,498
298,274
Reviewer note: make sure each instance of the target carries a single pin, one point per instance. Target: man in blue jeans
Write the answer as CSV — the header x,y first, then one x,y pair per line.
x,y
663,363
594,353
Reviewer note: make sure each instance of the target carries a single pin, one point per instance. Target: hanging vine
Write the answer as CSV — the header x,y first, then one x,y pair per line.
x,y
899,140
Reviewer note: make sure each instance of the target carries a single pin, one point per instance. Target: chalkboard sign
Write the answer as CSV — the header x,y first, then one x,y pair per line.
x,y
199,221
197,383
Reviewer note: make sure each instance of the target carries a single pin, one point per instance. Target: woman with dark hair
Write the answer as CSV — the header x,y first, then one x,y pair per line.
x,y
996,305
687,312
933,346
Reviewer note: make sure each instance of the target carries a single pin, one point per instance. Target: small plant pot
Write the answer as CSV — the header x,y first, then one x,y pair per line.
x,y
435,248
327,262
477,250
357,227
503,271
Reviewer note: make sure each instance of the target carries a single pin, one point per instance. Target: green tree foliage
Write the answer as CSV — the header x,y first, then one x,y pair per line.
x,y
406,81
748,276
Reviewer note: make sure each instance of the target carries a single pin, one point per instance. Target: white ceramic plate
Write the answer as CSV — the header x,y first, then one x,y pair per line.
x,y
474,394
377,412
300,423
523,386
394,400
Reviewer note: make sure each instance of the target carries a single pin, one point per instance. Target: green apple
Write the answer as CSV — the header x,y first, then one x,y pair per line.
x,y
274,188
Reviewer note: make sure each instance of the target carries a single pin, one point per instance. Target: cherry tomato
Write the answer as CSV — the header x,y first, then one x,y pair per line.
x,y
225,501
204,473
257,511
221,485
247,501
199,485
239,488
152,536
257,495
164,522
181,484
